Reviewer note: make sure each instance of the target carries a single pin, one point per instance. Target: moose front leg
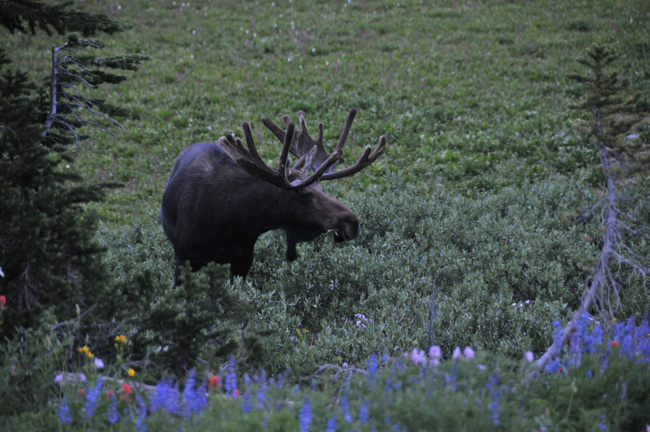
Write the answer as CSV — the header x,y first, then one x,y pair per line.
x,y
242,265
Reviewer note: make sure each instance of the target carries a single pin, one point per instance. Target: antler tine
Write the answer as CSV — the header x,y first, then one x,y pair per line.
x,y
250,143
251,161
273,127
318,174
364,160
346,128
284,153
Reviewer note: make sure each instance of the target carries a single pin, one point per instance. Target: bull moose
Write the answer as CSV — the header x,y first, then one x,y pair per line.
x,y
221,196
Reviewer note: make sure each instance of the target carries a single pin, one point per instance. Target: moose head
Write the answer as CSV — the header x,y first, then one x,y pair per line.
x,y
222,196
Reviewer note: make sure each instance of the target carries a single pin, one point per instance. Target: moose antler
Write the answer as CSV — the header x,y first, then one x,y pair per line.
x,y
249,159
304,144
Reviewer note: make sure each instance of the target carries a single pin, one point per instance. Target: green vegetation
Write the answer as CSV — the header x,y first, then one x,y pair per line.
x,y
478,195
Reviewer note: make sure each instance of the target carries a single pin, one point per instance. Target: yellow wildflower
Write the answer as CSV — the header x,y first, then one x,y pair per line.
x,y
298,331
130,372
85,350
120,338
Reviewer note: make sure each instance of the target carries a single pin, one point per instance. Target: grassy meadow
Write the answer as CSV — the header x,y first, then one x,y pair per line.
x,y
474,202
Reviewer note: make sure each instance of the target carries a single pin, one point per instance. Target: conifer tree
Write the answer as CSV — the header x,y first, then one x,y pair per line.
x,y
611,115
47,249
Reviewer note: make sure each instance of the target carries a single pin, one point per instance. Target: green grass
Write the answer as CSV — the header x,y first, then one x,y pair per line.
x,y
476,191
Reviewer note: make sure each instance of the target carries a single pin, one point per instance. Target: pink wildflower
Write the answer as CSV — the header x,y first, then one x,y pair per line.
x,y
529,356
418,356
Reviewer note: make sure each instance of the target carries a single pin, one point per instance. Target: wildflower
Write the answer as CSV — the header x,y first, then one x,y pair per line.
x,y
344,409
246,407
417,356
456,353
468,352
261,396
615,344
126,391
3,302
435,351
165,397
130,372
372,369
64,412
112,409
120,339
194,401
99,364
82,394
231,378
345,365
529,356
91,397
85,350
58,379
331,425
363,412
142,413
213,381
305,416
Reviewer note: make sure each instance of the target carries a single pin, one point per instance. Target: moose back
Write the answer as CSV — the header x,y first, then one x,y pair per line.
x,y
221,196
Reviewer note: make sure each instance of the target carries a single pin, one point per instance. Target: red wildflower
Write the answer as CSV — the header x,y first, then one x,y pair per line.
x,y
236,394
126,391
3,302
213,381
109,394
82,393
615,344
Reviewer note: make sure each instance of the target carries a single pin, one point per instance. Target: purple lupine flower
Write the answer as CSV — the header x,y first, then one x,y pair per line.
x,y
194,400
201,399
91,397
388,389
493,386
142,413
575,350
305,416
456,353
64,412
296,389
363,412
231,378
468,352
112,410
246,407
494,412
529,356
165,397
331,424
261,396
553,366
596,339
623,390
558,331
345,410
372,369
